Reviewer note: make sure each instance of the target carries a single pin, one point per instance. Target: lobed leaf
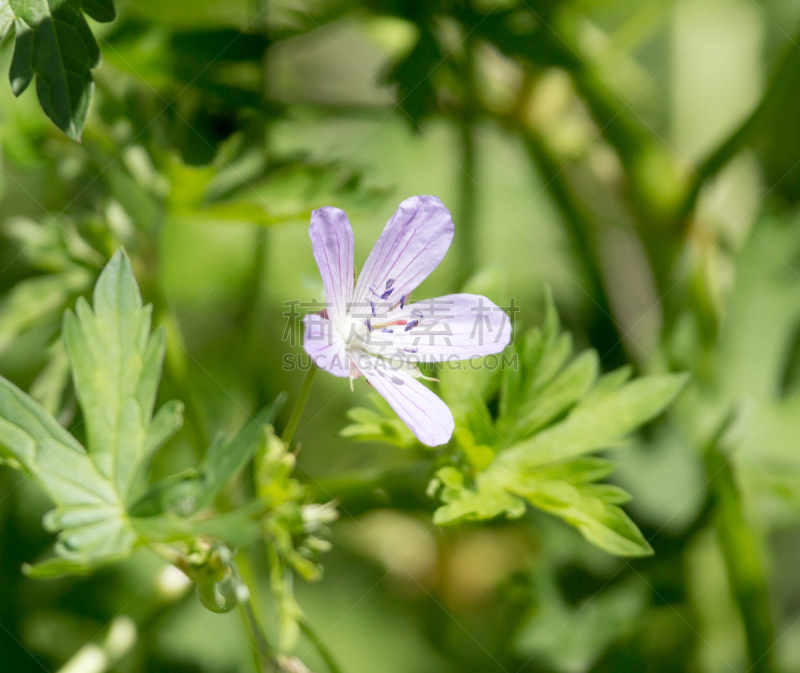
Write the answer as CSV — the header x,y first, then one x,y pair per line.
x,y
599,423
89,516
551,414
54,43
378,425
116,365
194,490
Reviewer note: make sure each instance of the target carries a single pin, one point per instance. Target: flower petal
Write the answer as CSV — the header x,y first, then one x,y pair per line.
x,y
418,407
450,328
332,240
412,244
325,346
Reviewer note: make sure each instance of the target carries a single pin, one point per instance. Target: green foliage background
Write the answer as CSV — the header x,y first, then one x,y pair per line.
x,y
639,159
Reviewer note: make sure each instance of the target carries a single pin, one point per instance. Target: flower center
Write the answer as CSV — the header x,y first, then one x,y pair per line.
x,y
358,333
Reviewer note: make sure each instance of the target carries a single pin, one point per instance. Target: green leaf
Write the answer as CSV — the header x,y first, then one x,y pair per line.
x,y
89,515
194,490
570,386
100,10
379,425
6,18
574,637
551,414
54,43
599,423
116,365
48,388
592,510
38,300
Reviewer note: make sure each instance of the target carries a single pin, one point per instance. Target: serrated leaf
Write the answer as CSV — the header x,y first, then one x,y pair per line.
x,y
567,388
195,490
379,425
564,412
54,43
116,366
89,516
57,566
601,423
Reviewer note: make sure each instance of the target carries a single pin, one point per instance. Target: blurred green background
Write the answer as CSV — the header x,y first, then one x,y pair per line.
x,y
640,158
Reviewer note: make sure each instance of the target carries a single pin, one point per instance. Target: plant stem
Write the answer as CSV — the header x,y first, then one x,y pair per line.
x,y
264,660
323,650
263,653
741,552
580,229
297,411
400,488
250,300
784,77
177,368
467,213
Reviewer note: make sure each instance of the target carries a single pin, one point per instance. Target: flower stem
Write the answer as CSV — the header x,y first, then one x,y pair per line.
x,y
467,213
297,411
741,551
263,653
261,650
323,650
780,84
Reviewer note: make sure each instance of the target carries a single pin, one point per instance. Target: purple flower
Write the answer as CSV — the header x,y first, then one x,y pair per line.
x,y
352,337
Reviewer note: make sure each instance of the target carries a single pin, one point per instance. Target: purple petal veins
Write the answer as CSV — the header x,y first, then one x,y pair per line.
x,y
413,243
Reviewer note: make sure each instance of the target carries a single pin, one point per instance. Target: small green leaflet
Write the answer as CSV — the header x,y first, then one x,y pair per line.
x,y
54,43
116,365
552,414
89,515
192,491
380,425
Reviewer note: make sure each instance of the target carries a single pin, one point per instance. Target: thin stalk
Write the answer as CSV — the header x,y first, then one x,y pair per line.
x,y
264,655
297,411
467,223
250,300
784,77
319,646
581,231
741,552
400,488
177,369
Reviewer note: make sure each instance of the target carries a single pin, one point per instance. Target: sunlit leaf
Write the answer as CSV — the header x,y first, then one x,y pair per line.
x,y
54,42
89,515
552,412
116,364
194,490
378,425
